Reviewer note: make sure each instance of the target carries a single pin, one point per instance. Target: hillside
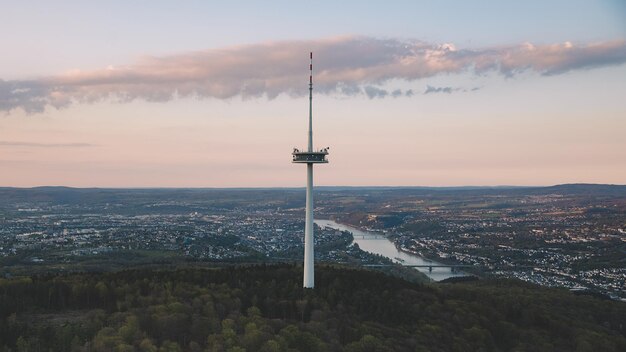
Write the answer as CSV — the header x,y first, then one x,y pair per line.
x,y
264,308
229,197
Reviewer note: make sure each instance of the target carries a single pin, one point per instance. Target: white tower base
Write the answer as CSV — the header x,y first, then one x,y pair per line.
x,y
309,276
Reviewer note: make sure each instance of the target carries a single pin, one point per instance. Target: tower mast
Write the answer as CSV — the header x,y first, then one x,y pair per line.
x,y
311,104
309,158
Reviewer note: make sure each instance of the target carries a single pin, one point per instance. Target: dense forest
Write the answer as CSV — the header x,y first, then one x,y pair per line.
x,y
264,308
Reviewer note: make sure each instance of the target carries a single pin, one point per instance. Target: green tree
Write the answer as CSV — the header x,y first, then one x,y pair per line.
x,y
367,343
170,346
107,339
270,346
22,344
146,345
130,330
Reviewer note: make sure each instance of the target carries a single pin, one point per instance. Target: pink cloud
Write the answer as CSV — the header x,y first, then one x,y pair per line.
x,y
343,65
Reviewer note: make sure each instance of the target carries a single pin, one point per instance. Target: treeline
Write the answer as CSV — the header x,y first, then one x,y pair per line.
x,y
264,308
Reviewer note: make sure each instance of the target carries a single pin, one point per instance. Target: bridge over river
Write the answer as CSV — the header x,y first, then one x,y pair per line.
x,y
453,267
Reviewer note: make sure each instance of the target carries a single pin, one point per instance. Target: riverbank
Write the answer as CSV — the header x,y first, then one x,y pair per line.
x,y
381,244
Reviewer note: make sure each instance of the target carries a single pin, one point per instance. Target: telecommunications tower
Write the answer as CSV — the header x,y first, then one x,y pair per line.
x,y
309,157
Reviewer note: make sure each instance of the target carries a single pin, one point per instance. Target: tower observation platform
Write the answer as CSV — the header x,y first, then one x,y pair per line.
x,y
300,157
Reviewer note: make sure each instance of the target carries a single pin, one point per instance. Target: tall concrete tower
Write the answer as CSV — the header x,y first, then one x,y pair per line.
x,y
309,157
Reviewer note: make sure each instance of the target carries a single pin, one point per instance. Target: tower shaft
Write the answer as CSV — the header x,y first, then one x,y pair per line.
x,y
309,251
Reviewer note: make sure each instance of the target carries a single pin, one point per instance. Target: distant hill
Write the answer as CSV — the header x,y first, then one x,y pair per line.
x,y
264,308
587,189
73,195
137,197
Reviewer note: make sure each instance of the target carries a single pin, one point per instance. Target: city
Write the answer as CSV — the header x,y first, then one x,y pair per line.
x,y
552,237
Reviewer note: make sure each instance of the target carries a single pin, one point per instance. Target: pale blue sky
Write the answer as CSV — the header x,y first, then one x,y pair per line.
x,y
40,37
514,126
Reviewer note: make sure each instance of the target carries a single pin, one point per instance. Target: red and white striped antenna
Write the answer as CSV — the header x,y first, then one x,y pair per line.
x,y
311,104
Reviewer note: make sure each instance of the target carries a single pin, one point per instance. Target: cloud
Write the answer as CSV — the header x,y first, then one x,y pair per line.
x,y
45,145
431,89
345,65
374,92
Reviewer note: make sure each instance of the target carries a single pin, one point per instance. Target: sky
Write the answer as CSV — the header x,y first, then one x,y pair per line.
x,y
406,93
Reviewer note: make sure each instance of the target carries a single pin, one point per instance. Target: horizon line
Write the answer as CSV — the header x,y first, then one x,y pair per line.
x,y
326,187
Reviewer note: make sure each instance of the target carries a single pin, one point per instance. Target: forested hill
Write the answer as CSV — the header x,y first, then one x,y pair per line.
x,y
264,308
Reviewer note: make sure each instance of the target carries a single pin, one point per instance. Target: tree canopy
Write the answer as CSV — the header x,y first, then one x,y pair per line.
x,y
264,308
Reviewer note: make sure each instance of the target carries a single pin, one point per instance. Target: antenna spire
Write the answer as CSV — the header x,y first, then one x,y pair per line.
x,y
311,104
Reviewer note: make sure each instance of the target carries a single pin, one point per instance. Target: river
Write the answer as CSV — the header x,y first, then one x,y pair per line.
x,y
378,244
